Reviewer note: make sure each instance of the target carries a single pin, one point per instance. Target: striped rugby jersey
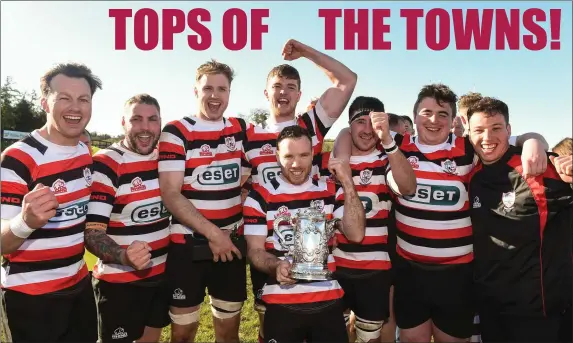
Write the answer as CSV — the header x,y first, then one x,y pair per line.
x,y
51,258
369,175
212,156
434,226
126,198
277,197
262,143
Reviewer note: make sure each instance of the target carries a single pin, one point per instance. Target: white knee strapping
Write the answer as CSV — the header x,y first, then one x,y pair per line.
x,y
225,309
185,318
367,330
260,308
346,318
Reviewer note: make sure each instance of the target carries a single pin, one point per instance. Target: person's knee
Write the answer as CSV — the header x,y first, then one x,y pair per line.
x,y
420,333
367,330
223,309
183,324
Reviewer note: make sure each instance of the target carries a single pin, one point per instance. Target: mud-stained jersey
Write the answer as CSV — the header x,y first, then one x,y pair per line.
x,y
127,200
211,155
434,226
51,258
262,143
277,197
369,176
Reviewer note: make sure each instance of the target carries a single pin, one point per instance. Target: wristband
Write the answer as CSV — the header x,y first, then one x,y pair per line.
x,y
19,227
392,150
389,146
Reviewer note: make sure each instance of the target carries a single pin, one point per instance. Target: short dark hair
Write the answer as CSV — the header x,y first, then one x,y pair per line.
x,y
364,103
394,119
75,70
214,67
468,99
287,71
408,119
293,131
143,98
439,92
490,107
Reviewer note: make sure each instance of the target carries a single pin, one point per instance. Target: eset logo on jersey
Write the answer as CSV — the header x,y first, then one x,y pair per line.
x,y
71,212
270,173
220,175
149,213
438,197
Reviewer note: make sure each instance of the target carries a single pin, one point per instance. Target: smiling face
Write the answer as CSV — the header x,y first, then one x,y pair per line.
x,y
283,95
295,158
212,92
363,137
489,134
433,121
68,107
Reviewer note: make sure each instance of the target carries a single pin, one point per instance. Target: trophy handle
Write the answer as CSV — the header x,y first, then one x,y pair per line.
x,y
277,222
331,227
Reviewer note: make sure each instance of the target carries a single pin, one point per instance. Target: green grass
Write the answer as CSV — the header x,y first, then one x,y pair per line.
x,y
248,331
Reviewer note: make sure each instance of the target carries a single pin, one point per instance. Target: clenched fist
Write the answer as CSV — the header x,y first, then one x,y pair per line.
x,y
39,206
340,169
293,49
137,255
564,167
381,126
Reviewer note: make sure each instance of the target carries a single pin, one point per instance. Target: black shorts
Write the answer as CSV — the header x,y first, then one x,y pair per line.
x,y
187,279
443,295
124,309
367,295
285,324
70,316
495,327
258,280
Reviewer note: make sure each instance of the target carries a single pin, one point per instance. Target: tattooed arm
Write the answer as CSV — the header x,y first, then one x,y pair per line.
x,y
259,257
101,245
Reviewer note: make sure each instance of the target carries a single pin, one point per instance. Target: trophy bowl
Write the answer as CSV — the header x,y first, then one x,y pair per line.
x,y
309,246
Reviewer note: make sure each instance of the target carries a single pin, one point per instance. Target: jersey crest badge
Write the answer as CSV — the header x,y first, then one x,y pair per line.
x,y
282,211
414,162
267,149
317,204
449,166
88,176
508,200
59,186
365,176
137,185
230,143
205,150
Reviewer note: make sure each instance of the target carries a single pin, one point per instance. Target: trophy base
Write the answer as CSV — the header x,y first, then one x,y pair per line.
x,y
310,273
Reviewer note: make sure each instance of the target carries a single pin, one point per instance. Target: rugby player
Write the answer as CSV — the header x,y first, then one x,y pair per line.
x,y
409,125
433,273
45,181
200,176
464,102
283,92
86,138
363,270
302,310
522,234
128,230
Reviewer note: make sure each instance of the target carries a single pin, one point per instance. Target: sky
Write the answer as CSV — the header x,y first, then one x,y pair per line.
x,y
536,85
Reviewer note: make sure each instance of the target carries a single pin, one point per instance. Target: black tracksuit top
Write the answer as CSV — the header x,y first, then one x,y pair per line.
x,y
522,238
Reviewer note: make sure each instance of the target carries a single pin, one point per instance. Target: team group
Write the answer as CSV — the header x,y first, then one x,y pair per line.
x,y
433,230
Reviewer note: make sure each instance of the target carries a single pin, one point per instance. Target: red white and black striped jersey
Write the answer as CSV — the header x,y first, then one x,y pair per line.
x,y
277,197
51,258
126,198
211,155
262,143
434,226
369,175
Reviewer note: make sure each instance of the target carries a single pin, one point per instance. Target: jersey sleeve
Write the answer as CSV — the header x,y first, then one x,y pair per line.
x,y
104,189
16,174
246,166
323,166
318,123
339,202
255,213
558,194
172,148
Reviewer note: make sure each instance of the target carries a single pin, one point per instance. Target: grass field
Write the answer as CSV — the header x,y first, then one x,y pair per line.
x,y
249,321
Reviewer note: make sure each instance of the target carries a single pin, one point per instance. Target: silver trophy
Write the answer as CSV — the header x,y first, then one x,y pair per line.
x,y
309,247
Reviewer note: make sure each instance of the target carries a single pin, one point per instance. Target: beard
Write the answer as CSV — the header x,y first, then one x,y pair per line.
x,y
132,140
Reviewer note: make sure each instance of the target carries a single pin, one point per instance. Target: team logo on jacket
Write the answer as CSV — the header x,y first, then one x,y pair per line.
x,y
508,200
88,176
267,149
230,143
205,150
476,204
137,185
365,176
317,204
59,186
119,333
449,166
413,160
